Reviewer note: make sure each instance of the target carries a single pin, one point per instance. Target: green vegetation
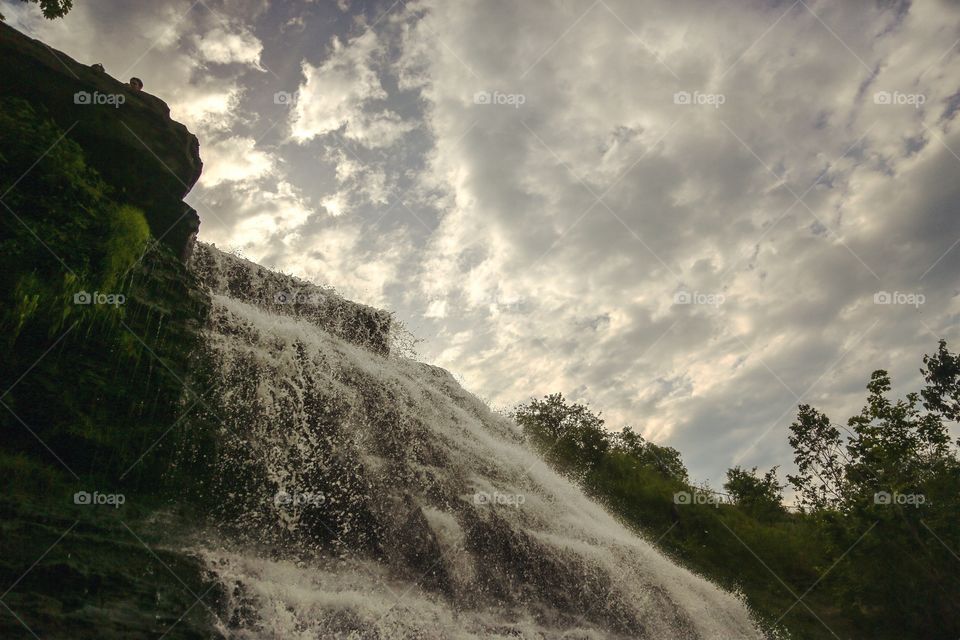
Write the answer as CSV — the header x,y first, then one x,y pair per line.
x,y
98,326
871,551
82,295
51,9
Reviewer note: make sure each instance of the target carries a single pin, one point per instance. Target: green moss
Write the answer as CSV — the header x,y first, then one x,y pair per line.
x,y
127,240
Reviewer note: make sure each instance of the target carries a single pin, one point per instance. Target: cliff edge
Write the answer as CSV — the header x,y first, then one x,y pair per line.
x,y
125,134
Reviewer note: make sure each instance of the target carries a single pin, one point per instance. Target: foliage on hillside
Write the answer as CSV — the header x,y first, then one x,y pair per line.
x,y
870,553
98,324
81,277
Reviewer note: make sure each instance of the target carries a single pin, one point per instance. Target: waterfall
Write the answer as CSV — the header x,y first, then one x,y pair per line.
x,y
365,495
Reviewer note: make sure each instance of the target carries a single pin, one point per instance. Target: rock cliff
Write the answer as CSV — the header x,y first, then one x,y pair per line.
x,y
126,136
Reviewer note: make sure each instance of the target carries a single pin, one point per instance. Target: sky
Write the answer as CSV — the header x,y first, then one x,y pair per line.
x,y
691,215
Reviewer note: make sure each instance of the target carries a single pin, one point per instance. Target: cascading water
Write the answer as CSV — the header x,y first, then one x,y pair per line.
x,y
369,496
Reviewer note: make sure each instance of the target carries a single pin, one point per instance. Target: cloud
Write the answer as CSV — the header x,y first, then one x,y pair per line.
x,y
341,92
597,197
530,186
224,47
234,159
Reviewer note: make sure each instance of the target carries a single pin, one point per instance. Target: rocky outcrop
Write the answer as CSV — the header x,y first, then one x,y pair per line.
x,y
93,393
149,160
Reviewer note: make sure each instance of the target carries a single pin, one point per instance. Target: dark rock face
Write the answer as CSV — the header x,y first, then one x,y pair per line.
x,y
97,581
149,160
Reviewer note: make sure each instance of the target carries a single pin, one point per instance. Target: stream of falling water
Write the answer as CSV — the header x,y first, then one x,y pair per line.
x,y
369,496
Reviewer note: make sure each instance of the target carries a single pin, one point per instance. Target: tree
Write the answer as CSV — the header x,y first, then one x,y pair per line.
x,y
819,456
942,374
760,495
665,460
893,445
51,8
890,488
568,434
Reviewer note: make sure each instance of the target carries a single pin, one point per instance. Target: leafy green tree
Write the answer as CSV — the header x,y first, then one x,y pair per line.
x,y
759,495
820,458
889,446
665,460
568,434
51,8
893,446
942,374
887,494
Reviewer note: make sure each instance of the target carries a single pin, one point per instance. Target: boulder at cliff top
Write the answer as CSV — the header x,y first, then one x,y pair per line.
x,y
124,142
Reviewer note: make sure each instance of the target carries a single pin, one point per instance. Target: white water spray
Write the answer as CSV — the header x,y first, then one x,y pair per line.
x,y
370,496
